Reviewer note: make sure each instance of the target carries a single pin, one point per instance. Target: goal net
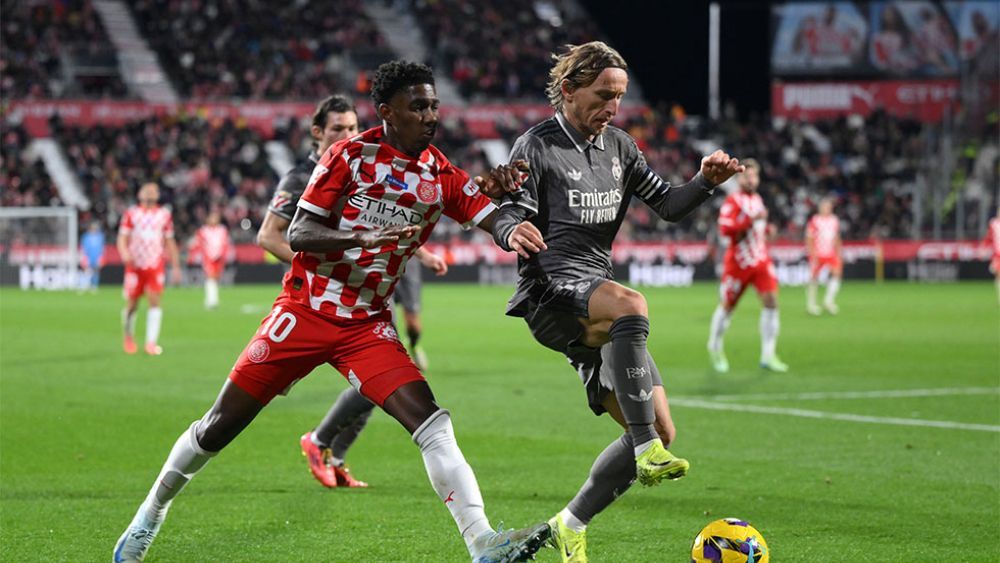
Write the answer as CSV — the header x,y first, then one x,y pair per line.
x,y
38,247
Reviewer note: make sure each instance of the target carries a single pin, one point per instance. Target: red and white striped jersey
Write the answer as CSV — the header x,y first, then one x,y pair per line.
x,y
363,184
146,229
213,242
993,236
825,231
746,238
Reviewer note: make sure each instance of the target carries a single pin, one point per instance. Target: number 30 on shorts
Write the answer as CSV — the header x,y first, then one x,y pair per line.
x,y
279,325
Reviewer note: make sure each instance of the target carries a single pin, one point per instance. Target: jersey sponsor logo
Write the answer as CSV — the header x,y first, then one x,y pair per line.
x,y
427,192
574,175
396,183
258,351
595,207
470,189
318,171
616,168
383,213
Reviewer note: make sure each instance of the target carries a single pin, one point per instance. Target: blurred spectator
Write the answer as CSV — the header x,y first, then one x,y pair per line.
x,y
24,181
498,49
40,44
198,163
254,49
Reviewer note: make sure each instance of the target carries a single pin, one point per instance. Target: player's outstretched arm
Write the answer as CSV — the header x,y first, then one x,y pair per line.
x,y
307,233
271,237
504,179
431,261
175,259
513,232
673,203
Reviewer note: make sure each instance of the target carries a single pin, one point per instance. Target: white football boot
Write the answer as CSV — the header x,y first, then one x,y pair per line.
x,y
139,535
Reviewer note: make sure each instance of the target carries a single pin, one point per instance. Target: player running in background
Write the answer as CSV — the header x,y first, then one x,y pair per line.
x,y
325,447
823,246
583,173
145,240
993,240
743,223
213,243
371,202
92,247
408,297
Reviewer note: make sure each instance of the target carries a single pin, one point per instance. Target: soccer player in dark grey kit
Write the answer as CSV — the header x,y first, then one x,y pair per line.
x,y
326,446
561,223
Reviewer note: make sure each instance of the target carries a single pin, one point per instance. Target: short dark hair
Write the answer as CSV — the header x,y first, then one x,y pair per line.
x,y
395,76
337,103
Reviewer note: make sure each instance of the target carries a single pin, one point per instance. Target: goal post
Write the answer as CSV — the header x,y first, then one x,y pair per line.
x,y
39,247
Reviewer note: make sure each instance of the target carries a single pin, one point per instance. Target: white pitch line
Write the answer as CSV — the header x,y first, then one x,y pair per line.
x,y
890,394
699,404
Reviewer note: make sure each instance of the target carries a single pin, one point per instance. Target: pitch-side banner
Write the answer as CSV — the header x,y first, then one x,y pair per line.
x,y
924,100
261,116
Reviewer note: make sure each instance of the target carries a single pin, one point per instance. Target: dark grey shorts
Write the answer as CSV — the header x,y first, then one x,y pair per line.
x,y
553,319
407,291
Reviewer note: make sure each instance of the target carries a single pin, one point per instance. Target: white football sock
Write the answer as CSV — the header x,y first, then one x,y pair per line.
x,y
811,294
128,322
153,319
831,290
720,322
571,521
185,459
769,326
211,292
451,476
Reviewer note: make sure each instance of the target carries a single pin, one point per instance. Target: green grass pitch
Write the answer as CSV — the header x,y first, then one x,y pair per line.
x,y
826,475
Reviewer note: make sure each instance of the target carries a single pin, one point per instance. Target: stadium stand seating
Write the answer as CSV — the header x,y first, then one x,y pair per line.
x,y
56,49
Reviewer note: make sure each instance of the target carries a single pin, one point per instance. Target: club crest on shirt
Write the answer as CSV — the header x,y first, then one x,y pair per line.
x,y
386,331
616,168
427,192
258,351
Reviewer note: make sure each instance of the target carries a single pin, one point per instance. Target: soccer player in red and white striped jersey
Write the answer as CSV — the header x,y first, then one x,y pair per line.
x,y
145,241
372,201
743,225
213,243
993,240
823,248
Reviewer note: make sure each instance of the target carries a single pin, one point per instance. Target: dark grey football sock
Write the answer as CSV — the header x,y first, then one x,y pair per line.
x,y
610,476
631,376
344,421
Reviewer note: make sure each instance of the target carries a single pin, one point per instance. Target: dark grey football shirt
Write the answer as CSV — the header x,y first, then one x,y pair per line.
x,y
290,188
577,194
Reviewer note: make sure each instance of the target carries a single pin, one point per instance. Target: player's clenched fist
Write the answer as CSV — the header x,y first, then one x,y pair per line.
x,y
503,179
526,239
719,167
386,235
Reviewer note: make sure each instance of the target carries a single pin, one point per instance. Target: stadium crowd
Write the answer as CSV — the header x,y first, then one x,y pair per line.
x,y
23,178
37,41
870,168
498,48
200,164
223,49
